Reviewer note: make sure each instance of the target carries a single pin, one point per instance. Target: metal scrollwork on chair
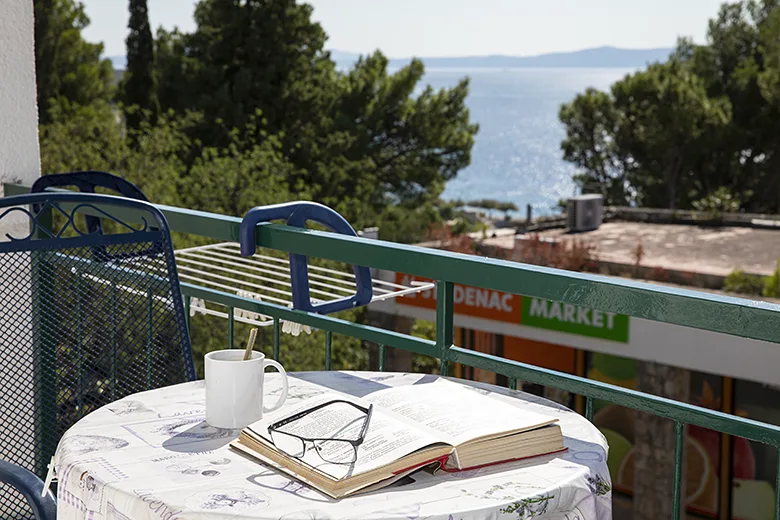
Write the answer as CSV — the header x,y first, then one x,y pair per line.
x,y
37,227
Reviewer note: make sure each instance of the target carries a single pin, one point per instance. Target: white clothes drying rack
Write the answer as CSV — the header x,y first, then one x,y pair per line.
x,y
267,278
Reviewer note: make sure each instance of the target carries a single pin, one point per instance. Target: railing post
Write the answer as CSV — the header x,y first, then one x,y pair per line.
x,y
150,339
328,350
382,357
677,489
444,321
777,486
80,342
231,327
277,333
114,340
187,306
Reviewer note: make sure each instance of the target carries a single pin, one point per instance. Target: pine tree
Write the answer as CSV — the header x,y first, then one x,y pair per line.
x,y
68,68
139,85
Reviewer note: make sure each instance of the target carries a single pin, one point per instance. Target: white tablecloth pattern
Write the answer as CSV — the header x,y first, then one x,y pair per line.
x,y
152,456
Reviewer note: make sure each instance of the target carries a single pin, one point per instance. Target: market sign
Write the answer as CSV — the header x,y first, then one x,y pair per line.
x,y
531,312
564,317
468,301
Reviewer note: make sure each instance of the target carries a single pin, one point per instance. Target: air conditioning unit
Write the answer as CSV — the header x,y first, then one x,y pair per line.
x,y
585,213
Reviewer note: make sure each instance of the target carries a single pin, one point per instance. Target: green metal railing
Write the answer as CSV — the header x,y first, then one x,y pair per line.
x,y
734,316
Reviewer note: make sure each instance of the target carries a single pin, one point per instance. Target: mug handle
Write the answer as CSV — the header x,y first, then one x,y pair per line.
x,y
283,397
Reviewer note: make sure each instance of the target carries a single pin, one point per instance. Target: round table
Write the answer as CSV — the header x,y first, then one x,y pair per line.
x,y
152,456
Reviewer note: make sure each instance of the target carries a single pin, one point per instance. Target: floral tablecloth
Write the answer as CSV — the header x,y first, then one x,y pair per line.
x,y
152,456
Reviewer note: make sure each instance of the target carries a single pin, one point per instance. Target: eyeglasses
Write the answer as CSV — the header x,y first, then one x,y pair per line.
x,y
332,450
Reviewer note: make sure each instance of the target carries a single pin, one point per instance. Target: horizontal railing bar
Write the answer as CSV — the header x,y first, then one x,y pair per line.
x,y
327,323
717,313
660,406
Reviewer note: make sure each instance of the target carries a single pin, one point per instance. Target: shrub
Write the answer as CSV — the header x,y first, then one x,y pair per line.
x,y
740,282
772,284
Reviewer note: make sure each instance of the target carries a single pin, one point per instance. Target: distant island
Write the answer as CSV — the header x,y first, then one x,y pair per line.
x,y
601,57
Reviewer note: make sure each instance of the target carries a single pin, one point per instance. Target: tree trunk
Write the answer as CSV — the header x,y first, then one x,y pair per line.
x,y
654,443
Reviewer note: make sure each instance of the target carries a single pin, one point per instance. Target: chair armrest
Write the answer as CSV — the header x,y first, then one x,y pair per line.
x,y
31,487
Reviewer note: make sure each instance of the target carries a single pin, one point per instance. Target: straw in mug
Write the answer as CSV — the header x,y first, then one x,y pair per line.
x,y
250,344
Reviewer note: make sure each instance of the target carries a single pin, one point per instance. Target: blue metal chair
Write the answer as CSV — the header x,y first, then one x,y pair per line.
x,y
88,315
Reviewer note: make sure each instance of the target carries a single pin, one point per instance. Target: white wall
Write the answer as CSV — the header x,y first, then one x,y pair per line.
x,y
19,162
19,157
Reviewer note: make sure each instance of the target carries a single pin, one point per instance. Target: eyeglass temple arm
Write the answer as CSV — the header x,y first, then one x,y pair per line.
x,y
365,425
287,420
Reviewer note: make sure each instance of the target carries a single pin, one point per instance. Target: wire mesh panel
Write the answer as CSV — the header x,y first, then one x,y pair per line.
x,y
85,319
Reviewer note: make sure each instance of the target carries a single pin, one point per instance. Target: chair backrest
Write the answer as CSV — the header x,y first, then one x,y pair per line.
x,y
86,317
88,182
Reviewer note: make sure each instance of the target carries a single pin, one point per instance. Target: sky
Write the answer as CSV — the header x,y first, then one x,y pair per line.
x,y
432,28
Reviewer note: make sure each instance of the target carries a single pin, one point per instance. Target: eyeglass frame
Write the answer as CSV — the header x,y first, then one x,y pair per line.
x,y
354,442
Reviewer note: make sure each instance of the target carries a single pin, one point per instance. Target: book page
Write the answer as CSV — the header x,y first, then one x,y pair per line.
x,y
387,439
455,413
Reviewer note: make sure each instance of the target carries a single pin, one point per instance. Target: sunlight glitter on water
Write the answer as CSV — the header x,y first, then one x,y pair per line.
x,y
516,155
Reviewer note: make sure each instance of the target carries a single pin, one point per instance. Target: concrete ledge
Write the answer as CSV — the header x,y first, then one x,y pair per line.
x,y
698,218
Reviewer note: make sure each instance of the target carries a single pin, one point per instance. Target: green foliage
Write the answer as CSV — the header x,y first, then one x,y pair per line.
x,y
739,282
591,121
721,200
398,224
413,144
67,67
425,364
460,227
248,56
80,137
139,83
772,284
702,129
666,115
491,204
642,143
297,353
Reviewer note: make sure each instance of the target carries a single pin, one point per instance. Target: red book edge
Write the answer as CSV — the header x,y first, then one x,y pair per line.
x,y
443,462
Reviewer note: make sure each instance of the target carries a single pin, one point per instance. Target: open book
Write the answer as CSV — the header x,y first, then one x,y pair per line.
x,y
443,425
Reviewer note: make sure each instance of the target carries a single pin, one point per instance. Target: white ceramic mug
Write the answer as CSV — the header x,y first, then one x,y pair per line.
x,y
234,388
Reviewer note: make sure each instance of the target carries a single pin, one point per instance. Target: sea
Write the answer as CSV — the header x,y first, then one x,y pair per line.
x,y
517,153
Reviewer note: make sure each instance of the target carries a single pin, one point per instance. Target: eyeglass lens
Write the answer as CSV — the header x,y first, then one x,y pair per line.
x,y
333,425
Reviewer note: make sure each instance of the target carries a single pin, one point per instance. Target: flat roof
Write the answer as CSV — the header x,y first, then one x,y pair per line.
x,y
710,250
